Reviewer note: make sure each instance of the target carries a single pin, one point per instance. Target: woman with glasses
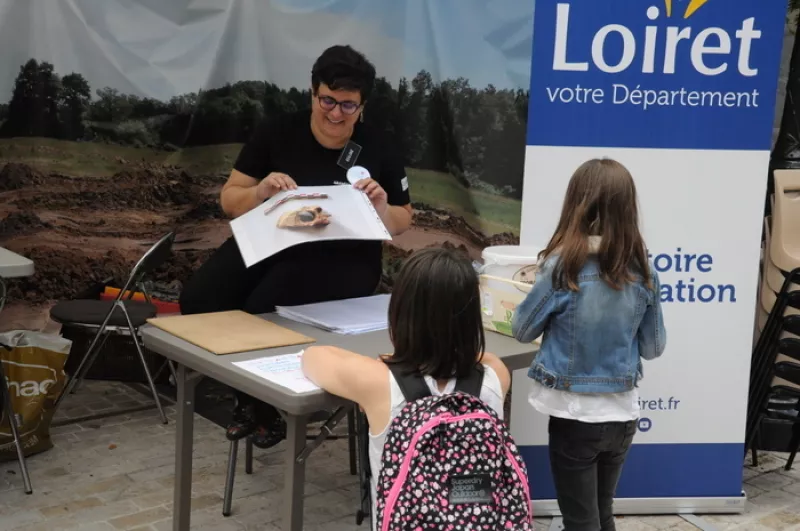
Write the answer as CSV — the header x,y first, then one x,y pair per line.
x,y
307,148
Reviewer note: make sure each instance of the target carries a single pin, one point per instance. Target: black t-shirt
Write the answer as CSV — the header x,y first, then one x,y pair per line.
x,y
286,144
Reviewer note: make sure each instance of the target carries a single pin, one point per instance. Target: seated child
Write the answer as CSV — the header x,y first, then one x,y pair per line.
x,y
435,327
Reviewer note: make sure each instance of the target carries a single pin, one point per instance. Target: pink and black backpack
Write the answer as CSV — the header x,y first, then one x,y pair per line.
x,y
449,463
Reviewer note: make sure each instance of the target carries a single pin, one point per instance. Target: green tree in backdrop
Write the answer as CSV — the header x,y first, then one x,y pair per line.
x,y
477,135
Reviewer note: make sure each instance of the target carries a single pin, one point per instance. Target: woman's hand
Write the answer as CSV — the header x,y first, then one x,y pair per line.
x,y
272,184
376,194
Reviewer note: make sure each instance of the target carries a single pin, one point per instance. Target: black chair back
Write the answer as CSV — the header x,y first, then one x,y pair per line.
x,y
152,259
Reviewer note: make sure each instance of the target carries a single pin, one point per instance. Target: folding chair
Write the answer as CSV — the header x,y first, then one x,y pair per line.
x,y
121,316
786,385
325,433
765,354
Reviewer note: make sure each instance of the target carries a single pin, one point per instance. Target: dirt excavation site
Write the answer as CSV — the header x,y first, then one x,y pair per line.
x,y
80,231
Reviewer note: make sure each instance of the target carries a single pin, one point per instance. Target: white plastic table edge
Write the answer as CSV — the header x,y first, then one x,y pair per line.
x,y
13,265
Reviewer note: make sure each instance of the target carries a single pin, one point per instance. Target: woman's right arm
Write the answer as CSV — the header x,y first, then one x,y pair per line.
x,y
239,195
253,179
242,193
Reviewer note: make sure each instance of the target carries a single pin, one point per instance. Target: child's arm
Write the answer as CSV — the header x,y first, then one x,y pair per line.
x,y
499,369
652,335
344,373
531,317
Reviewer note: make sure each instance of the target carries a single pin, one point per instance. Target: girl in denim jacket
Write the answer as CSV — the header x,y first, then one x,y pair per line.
x,y
596,301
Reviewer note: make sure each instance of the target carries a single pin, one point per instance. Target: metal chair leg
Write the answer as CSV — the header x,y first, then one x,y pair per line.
x,y
756,444
12,421
794,446
144,365
228,496
172,370
351,440
150,382
88,360
364,472
248,456
160,370
167,363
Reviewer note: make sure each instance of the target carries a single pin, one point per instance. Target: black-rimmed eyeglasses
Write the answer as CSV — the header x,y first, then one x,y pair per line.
x,y
328,103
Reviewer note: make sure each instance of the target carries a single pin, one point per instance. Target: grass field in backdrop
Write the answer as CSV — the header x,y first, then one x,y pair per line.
x,y
490,213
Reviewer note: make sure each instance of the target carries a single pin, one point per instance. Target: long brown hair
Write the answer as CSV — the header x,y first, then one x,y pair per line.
x,y
600,201
435,315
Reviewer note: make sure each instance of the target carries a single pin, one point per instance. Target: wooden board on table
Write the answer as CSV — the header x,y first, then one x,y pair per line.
x,y
229,332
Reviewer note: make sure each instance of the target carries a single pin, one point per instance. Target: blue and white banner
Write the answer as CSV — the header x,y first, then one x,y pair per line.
x,y
683,94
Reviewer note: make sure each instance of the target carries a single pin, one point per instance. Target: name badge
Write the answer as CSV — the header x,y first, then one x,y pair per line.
x,y
349,155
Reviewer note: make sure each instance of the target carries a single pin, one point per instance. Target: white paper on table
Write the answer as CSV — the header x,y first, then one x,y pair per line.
x,y
285,370
352,217
348,316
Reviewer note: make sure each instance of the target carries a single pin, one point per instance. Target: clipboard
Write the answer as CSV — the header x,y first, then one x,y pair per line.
x,y
229,332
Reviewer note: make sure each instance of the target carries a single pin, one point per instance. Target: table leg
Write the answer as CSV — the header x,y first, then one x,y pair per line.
x,y
296,427
184,434
12,421
248,456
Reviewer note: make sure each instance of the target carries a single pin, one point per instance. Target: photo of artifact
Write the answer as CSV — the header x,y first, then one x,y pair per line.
x,y
305,217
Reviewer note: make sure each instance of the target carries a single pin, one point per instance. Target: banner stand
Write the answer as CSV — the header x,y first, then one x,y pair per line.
x,y
656,506
681,92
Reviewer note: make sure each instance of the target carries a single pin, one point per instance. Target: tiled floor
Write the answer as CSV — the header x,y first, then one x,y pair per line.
x,y
116,473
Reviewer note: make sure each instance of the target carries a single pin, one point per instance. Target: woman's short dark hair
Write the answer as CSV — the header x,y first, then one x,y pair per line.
x,y
435,315
343,68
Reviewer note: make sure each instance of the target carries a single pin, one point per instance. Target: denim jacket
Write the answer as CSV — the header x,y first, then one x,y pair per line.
x,y
594,338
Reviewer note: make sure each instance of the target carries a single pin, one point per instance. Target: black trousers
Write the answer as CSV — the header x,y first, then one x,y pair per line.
x,y
586,461
289,278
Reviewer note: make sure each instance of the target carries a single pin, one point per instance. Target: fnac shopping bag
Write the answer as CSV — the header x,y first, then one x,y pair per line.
x,y
34,371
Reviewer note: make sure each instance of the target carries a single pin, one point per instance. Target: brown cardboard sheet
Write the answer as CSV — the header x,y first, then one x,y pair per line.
x,y
229,332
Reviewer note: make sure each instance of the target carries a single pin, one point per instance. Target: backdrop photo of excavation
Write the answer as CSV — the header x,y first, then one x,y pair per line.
x,y
90,177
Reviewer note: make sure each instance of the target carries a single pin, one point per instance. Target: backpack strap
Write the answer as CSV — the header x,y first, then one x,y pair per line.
x,y
473,384
412,385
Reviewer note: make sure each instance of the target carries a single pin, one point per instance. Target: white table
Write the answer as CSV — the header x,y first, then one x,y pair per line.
x,y
13,265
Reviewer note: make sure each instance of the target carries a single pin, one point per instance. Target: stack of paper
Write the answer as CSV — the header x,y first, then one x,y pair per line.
x,y
350,316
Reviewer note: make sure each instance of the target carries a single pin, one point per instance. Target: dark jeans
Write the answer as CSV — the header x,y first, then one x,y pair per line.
x,y
586,461
289,278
